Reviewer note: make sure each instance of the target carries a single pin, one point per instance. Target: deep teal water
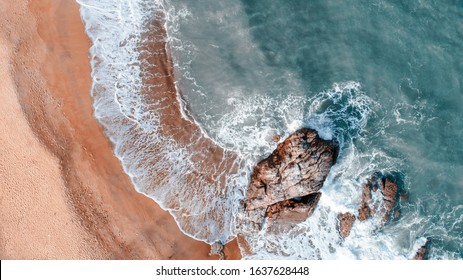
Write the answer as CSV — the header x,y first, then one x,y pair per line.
x,y
384,77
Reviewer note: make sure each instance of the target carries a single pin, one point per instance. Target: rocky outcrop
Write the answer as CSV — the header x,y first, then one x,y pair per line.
x,y
298,167
346,221
282,216
384,204
390,192
422,252
284,187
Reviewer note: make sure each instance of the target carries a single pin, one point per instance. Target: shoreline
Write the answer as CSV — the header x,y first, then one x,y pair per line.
x,y
166,154
84,205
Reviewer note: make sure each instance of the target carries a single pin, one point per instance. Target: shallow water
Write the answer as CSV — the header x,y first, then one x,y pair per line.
x,y
382,77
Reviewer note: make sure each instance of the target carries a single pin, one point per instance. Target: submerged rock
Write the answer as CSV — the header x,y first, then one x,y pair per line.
x,y
346,221
298,167
283,215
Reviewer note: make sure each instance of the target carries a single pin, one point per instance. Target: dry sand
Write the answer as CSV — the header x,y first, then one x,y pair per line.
x,y
63,193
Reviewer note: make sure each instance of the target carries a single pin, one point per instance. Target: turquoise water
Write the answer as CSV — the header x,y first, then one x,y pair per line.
x,y
255,67
382,77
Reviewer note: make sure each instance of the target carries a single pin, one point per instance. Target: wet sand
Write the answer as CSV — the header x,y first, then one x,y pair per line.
x,y
63,193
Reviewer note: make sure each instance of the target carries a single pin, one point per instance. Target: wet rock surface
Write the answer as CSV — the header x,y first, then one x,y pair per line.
x,y
365,211
284,187
422,253
346,221
298,167
217,249
282,216
387,206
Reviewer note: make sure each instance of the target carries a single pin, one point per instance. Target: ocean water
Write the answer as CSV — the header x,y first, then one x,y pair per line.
x,y
383,77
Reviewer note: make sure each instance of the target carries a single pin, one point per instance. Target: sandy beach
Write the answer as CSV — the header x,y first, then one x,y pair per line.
x,y
64,194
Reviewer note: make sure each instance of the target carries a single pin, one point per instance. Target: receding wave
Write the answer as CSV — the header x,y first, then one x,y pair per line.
x,y
166,155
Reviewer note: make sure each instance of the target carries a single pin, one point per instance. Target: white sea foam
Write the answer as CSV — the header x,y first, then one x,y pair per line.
x,y
248,128
342,113
240,111
158,165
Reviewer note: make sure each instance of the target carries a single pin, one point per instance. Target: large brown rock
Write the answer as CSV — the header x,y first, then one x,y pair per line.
x,y
346,221
282,216
298,167
284,187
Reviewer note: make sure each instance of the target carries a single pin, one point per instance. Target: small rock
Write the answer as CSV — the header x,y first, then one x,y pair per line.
x,y
217,249
346,221
396,214
403,197
422,252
